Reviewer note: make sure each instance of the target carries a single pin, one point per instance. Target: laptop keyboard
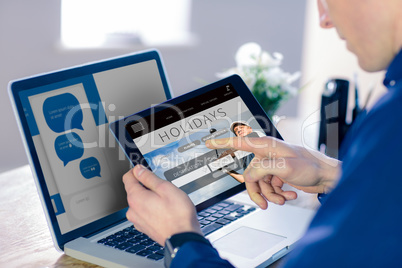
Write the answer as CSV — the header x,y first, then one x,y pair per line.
x,y
215,217
211,219
135,242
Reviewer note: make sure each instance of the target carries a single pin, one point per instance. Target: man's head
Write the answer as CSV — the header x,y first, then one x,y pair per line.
x,y
241,128
372,29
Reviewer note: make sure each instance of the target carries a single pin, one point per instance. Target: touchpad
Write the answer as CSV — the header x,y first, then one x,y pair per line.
x,y
247,242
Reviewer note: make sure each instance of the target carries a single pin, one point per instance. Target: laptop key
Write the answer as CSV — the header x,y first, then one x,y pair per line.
x,y
211,219
224,212
120,239
230,218
210,228
204,214
144,253
123,246
111,243
160,252
111,237
223,221
134,232
135,248
154,248
134,241
127,235
102,241
217,215
147,242
155,257
217,207
205,222
142,237
233,207
244,212
209,210
119,233
224,204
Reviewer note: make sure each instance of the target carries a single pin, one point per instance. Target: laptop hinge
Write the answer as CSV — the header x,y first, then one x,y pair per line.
x,y
280,253
104,228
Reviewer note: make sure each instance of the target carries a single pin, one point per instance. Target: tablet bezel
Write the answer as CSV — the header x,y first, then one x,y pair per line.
x,y
128,146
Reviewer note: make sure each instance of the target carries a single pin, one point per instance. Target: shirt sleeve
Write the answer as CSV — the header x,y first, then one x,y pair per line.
x,y
359,222
196,254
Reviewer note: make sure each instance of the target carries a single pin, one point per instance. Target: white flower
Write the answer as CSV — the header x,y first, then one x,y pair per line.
x,y
262,73
275,77
268,61
248,54
251,54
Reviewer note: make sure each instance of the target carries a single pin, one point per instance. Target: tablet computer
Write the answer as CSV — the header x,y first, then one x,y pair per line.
x,y
169,139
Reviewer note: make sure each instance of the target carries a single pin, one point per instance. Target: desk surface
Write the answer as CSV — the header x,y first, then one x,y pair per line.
x,y
25,239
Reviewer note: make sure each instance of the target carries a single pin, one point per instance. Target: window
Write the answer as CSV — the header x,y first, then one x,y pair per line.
x,y
114,23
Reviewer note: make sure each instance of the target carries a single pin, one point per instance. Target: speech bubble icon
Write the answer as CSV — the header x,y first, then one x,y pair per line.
x,y
63,112
69,147
90,168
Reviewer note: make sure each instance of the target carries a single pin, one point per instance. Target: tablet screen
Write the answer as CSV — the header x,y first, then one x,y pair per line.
x,y
171,141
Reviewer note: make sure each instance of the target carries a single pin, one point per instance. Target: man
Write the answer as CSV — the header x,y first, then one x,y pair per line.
x,y
359,222
240,129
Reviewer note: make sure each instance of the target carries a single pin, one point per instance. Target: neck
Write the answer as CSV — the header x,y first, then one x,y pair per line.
x,y
398,30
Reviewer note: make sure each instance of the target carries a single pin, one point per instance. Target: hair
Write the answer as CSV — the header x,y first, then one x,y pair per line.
x,y
235,124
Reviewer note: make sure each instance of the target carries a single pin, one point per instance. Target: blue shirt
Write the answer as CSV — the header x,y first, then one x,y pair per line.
x,y
360,222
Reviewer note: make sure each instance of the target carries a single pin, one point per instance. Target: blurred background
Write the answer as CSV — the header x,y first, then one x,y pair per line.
x,y
197,39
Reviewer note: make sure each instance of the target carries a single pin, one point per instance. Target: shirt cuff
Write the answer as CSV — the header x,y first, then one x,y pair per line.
x,y
197,254
322,198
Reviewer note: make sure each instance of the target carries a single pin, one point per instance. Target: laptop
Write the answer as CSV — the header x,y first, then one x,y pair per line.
x,y
63,118
64,121
170,140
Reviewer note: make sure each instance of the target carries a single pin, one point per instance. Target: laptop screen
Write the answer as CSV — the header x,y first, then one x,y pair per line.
x,y
67,115
171,140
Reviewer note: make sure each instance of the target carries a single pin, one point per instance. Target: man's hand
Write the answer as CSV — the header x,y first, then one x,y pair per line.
x,y
276,163
157,207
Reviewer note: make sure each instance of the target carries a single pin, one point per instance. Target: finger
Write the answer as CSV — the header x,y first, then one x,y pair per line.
x,y
259,168
254,191
135,194
277,184
147,178
269,193
130,215
261,146
130,181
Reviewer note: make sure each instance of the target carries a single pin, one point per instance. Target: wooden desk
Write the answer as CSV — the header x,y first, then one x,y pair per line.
x,y
25,239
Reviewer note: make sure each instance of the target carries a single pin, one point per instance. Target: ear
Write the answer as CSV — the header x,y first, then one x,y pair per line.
x,y
325,21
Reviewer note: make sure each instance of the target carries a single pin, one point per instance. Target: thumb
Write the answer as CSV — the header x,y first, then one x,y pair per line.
x,y
147,177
